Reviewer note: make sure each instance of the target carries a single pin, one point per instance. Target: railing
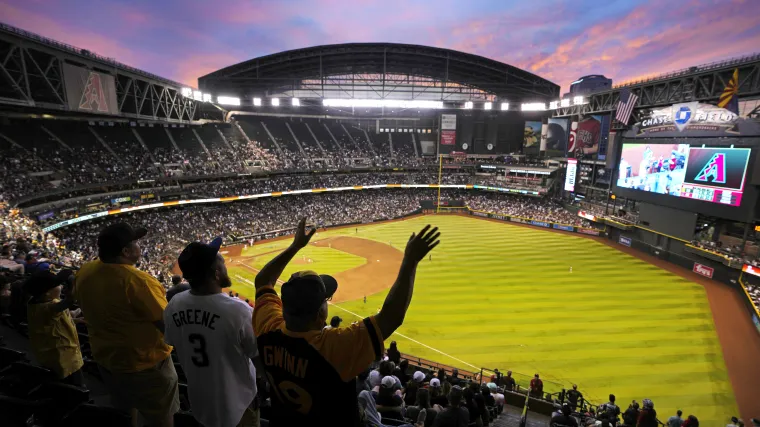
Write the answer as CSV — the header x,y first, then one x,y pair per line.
x,y
690,70
85,52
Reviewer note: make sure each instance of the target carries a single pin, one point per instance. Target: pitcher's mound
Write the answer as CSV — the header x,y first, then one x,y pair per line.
x,y
378,273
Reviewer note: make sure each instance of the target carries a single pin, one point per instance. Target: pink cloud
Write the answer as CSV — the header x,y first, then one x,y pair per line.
x,y
189,68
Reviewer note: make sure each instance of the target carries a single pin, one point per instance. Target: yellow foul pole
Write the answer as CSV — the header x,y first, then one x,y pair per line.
x,y
440,168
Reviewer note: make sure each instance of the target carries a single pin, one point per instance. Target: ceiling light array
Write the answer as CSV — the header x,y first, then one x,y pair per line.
x,y
384,103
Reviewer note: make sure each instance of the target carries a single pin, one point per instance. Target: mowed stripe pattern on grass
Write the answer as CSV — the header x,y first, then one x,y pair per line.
x,y
502,296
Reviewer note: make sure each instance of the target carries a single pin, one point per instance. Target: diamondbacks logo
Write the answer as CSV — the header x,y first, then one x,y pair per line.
x,y
93,94
714,171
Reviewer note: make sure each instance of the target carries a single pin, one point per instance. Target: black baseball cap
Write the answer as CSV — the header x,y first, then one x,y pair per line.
x,y
116,237
305,292
197,258
43,281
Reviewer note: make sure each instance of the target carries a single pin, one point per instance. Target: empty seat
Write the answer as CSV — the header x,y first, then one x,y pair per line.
x,y
63,399
9,356
20,378
17,412
93,415
185,419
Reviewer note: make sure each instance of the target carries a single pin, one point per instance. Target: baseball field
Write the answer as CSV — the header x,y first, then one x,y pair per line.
x,y
503,296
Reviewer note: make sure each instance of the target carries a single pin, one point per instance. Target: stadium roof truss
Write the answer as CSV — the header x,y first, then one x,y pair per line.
x,y
378,71
696,84
31,75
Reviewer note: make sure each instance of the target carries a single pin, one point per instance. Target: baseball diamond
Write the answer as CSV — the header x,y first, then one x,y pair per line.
x,y
615,321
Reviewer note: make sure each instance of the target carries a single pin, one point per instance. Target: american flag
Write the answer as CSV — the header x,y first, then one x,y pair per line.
x,y
625,105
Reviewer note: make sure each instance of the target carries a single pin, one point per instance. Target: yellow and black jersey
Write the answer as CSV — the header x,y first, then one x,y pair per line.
x,y
312,374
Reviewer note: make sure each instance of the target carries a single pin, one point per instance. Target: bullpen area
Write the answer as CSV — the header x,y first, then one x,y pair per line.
x,y
503,296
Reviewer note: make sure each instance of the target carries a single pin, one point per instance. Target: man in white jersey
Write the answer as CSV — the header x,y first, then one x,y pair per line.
x,y
213,337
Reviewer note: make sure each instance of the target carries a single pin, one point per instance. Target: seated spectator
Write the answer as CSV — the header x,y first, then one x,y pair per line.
x,y
368,414
472,407
387,396
52,334
453,415
34,264
454,379
326,361
564,418
414,384
335,322
498,397
487,397
438,393
401,372
6,261
216,346
422,402
124,308
178,285
692,421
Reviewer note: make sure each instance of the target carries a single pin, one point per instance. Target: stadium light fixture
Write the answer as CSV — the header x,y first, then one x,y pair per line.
x,y
296,102
554,105
257,102
578,100
534,106
228,100
468,105
565,102
275,102
488,105
187,92
504,106
197,95
206,97
382,103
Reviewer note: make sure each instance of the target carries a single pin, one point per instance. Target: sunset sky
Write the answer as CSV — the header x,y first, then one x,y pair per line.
x,y
557,39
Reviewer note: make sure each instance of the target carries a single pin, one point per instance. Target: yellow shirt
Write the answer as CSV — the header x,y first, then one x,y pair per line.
x,y
54,338
120,304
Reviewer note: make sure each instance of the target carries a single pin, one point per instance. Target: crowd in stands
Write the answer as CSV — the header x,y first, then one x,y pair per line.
x,y
545,210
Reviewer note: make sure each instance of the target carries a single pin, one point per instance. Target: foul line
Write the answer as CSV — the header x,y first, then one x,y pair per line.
x,y
361,317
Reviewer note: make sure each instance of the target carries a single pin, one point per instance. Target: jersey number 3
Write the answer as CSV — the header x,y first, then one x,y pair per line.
x,y
200,358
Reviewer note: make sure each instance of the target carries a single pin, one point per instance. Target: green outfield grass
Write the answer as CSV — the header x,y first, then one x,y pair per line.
x,y
501,296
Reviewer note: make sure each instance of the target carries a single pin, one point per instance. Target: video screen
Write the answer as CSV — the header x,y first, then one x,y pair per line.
x,y
711,174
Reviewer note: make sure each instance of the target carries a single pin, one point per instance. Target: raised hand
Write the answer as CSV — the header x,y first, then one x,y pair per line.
x,y
302,237
421,243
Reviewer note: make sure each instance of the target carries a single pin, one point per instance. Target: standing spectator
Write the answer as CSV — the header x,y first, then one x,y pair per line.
x,y
536,387
52,334
33,264
214,340
675,420
325,362
496,377
573,396
610,411
509,382
6,261
453,415
647,416
692,421
393,354
422,402
454,379
564,418
734,422
178,285
498,397
124,308
631,415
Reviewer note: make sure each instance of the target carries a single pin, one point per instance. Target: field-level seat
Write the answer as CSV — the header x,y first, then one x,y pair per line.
x,y
15,412
63,400
9,356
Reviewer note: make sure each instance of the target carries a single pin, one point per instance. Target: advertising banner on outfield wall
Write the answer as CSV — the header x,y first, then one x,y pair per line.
x,y
625,241
90,91
703,270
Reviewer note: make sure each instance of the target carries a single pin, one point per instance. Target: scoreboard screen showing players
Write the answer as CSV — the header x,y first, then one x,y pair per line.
x,y
710,174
